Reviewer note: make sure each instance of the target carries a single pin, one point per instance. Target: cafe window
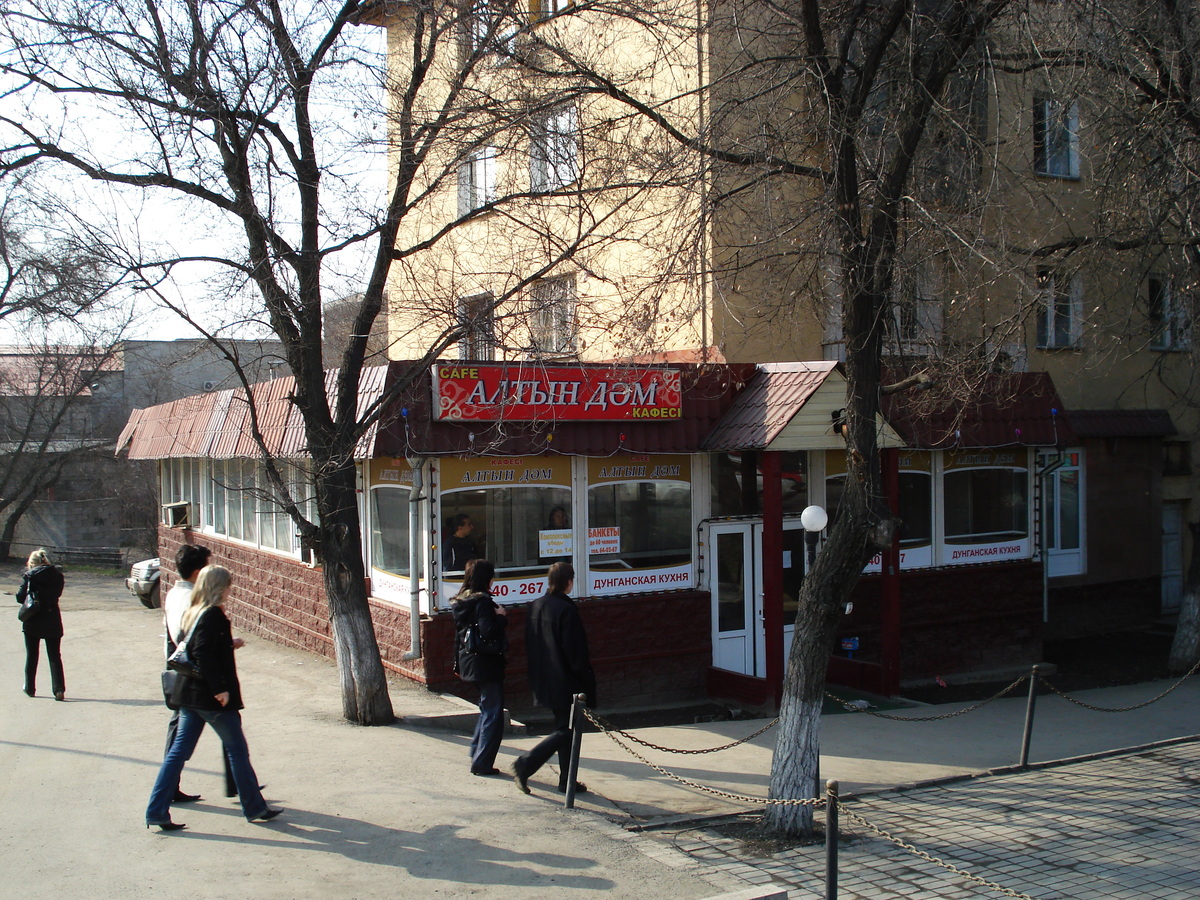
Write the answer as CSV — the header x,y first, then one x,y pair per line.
x,y
639,516
389,529
986,499
510,505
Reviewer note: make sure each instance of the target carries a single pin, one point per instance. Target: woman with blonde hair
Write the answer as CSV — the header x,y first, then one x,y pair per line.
x,y
45,582
215,698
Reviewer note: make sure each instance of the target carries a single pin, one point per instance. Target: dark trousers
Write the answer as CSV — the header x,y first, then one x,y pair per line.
x,y
558,741
53,656
172,728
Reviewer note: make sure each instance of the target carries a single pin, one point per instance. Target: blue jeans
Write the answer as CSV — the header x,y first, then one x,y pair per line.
x,y
227,723
489,728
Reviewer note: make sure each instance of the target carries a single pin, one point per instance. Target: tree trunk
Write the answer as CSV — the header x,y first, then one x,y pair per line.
x,y
365,699
827,587
1185,649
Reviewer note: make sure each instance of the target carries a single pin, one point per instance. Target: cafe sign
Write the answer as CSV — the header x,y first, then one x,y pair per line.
x,y
489,393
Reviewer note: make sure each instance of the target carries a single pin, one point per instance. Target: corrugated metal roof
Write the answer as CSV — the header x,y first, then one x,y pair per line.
x,y
772,397
218,425
1017,409
1122,423
708,391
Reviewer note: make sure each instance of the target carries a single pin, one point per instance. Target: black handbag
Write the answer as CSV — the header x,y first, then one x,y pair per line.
x,y
474,642
173,684
30,606
181,661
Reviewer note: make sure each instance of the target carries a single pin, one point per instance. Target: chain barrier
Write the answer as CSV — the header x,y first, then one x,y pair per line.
x,y
1008,690
817,802
929,858
608,727
1117,709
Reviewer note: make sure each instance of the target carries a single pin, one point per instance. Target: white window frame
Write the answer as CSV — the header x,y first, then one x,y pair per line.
x,y
552,324
554,150
1056,137
1059,310
1168,315
477,180
1062,561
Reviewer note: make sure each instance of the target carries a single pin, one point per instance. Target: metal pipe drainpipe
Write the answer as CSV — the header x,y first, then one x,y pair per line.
x,y
1044,482
414,558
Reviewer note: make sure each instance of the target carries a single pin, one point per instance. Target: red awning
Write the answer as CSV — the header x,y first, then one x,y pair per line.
x,y
1017,409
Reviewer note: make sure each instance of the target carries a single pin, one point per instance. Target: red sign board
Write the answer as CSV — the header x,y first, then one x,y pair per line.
x,y
526,393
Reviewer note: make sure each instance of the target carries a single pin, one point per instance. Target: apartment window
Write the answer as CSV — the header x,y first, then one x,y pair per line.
x,y
1060,303
477,180
1170,319
478,315
544,8
554,150
1056,138
552,319
917,314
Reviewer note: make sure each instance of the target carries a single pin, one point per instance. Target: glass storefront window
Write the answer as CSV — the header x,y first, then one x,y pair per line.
x,y
389,529
507,524
736,484
916,509
986,504
639,513
518,510
652,523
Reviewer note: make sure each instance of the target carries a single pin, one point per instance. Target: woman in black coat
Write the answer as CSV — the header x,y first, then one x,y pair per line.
x,y
482,660
45,582
214,699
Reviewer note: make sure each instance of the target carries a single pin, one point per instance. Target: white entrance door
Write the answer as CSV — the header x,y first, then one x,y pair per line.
x,y
735,581
1172,556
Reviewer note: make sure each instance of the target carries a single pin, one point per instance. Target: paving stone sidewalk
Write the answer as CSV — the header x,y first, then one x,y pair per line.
x,y
1120,826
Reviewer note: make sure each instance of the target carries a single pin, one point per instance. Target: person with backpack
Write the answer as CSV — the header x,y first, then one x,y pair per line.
x,y
480,647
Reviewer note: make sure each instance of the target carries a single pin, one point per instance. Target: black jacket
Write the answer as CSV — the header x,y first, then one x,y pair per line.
x,y
46,583
212,650
457,552
559,663
481,609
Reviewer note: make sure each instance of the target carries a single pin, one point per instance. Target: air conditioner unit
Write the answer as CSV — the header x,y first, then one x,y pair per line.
x,y
177,515
210,386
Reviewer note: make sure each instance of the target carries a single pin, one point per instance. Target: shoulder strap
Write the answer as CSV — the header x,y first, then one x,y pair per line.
x,y
187,640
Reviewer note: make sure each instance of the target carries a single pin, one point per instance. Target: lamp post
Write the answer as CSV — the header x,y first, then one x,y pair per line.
x,y
814,519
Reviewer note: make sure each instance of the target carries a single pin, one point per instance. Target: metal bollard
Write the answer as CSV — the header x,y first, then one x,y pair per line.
x,y
1028,735
577,720
831,840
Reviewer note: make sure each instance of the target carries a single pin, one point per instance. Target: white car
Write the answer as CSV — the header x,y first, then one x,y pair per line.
x,y
143,583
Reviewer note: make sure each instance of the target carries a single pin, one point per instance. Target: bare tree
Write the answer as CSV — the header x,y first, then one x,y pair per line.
x,y
234,108
1146,57
821,163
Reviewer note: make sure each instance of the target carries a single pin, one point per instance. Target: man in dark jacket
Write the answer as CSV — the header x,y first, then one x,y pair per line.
x,y
559,668
457,547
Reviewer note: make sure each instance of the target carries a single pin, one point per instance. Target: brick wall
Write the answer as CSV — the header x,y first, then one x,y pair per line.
x,y
957,620
647,650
